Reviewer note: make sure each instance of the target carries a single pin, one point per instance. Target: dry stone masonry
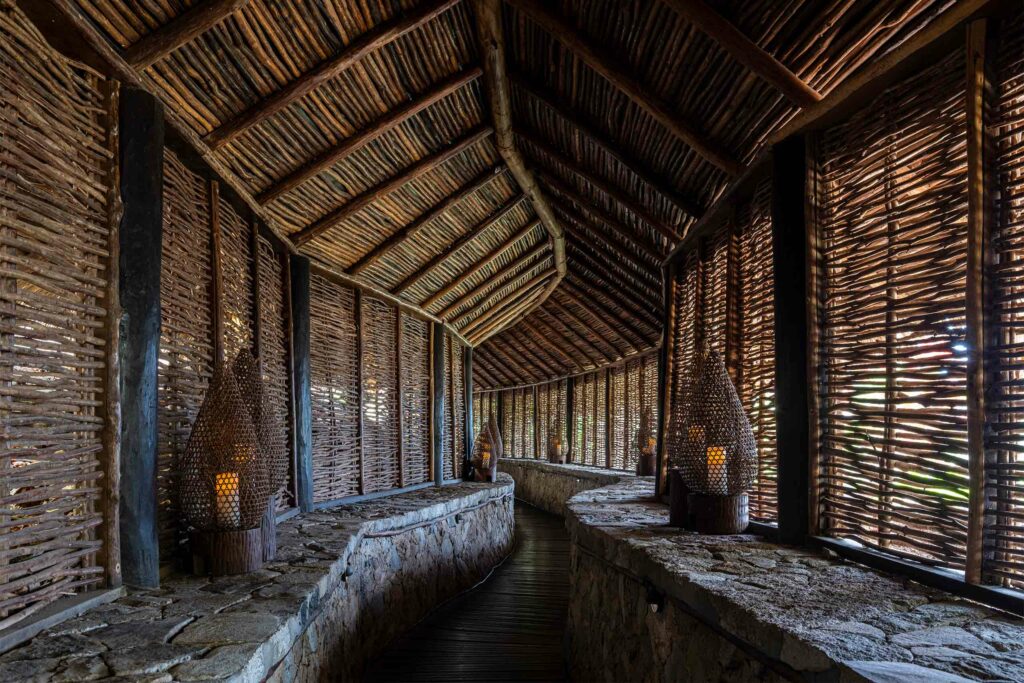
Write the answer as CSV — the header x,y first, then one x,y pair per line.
x,y
740,608
549,486
345,581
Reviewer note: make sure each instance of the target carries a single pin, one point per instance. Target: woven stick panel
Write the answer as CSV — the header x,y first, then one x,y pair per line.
x,y
457,394
600,420
415,407
186,335
448,443
551,420
275,354
508,434
757,346
1005,417
580,412
54,217
684,349
529,424
334,390
380,396
714,293
237,259
893,230
618,434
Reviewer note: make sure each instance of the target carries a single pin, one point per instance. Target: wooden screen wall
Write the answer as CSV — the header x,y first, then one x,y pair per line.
x,y
893,229
255,299
725,303
551,420
590,419
454,445
529,415
370,394
485,405
57,218
633,388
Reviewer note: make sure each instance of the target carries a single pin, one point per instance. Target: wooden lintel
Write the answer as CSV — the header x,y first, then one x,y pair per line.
x,y
434,212
603,186
745,51
184,28
372,40
389,121
575,120
364,199
641,95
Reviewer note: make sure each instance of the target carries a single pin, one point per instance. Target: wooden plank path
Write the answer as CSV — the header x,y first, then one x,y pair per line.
x,y
508,629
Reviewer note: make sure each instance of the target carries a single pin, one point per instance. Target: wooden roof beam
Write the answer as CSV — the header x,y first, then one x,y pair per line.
x,y
474,232
489,312
641,95
500,319
491,41
573,119
619,197
467,274
372,40
457,320
515,365
497,371
481,378
644,316
408,231
624,317
625,232
583,324
389,121
569,341
571,362
537,372
497,279
599,265
179,31
561,362
369,196
514,342
607,249
745,51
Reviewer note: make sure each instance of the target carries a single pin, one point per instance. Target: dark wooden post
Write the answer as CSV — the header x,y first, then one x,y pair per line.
x,y
665,378
792,372
142,179
301,397
467,375
437,401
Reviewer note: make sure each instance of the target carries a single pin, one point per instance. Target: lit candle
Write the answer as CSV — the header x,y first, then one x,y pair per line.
x,y
717,483
485,460
228,508
696,434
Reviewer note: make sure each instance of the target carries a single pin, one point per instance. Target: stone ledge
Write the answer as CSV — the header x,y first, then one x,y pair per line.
x,y
549,486
761,607
335,570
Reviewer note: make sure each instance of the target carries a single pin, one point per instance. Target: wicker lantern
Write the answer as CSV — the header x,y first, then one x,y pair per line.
x,y
486,452
227,476
715,448
556,444
645,445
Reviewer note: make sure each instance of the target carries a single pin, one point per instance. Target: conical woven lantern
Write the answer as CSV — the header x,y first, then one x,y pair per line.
x,y
715,449
556,444
645,446
226,481
486,452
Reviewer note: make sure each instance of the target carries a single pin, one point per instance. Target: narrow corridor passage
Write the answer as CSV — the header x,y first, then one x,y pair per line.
x,y
508,629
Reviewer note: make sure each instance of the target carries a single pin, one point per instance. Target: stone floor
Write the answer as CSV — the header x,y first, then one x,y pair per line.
x,y
808,609
238,627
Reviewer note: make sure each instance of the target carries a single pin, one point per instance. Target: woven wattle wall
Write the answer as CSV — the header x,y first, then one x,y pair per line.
x,y
380,396
55,212
186,334
415,375
237,265
893,445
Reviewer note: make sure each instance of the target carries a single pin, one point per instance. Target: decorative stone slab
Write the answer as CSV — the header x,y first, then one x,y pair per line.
x,y
549,486
742,608
345,581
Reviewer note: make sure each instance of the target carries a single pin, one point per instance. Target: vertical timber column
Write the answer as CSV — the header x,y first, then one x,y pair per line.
x,y
467,383
142,178
437,401
665,397
301,396
790,204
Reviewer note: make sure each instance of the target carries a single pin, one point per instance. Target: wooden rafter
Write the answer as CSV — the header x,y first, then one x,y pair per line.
x,y
569,341
182,29
425,219
568,360
495,319
555,356
487,313
372,40
595,263
494,280
655,252
552,365
488,365
641,95
745,51
623,317
461,278
453,247
512,356
572,316
646,316
367,197
483,303
574,120
602,244
389,121
486,380
605,187
513,342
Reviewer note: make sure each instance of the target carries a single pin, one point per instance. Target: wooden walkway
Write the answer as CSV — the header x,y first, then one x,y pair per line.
x,y
508,629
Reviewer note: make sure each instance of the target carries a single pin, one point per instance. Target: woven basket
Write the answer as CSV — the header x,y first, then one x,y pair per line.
x,y
711,437
487,450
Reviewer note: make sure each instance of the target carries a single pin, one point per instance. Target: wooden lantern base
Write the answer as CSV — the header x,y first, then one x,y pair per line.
x,y
718,515
678,494
646,465
556,458
222,553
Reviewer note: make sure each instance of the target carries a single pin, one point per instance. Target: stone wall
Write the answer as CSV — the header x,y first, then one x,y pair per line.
x,y
549,487
345,582
740,608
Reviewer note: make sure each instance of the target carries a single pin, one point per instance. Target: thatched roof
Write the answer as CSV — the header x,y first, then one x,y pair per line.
x,y
364,133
